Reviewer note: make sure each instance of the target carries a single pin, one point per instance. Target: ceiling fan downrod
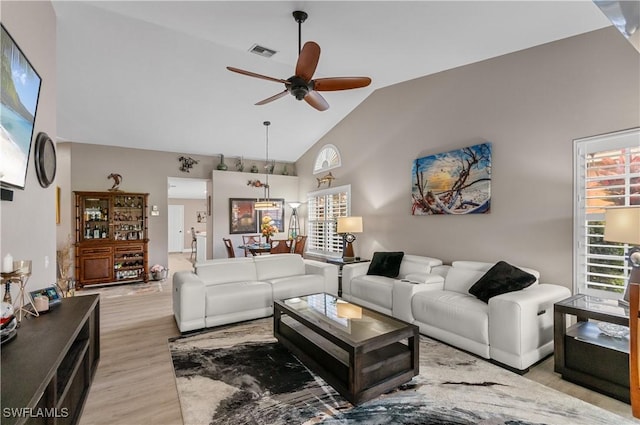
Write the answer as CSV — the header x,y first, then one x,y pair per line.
x,y
300,17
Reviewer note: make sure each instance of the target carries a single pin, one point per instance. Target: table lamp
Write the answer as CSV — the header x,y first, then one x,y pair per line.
x,y
347,226
623,225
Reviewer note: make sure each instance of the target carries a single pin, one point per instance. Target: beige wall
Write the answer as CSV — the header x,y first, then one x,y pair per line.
x,y
531,105
142,171
28,229
234,185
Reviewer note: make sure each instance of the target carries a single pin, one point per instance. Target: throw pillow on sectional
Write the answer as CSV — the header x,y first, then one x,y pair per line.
x,y
385,264
500,279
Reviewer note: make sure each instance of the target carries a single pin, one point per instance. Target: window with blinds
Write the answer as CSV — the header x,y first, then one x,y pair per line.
x,y
324,207
607,175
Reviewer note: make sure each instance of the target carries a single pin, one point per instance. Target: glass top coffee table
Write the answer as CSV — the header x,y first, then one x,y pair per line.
x,y
359,352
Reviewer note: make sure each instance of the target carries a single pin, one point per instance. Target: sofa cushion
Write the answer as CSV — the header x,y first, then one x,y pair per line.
x,y
297,286
500,279
225,270
416,264
231,298
374,289
461,314
459,279
385,264
274,266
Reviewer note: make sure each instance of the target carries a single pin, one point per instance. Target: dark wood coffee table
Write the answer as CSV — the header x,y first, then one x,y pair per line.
x,y
359,352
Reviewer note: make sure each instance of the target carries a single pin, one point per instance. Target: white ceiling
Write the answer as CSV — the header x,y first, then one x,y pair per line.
x,y
151,74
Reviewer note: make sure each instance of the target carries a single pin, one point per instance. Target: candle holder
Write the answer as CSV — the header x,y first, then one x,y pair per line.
x,y
22,273
6,278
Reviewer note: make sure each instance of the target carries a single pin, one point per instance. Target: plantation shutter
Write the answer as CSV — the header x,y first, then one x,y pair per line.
x,y
324,208
607,175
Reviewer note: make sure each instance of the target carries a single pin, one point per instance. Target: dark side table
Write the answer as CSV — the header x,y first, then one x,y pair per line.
x,y
586,356
338,261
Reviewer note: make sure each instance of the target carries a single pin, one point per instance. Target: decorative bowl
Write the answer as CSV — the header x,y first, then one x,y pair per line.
x,y
613,330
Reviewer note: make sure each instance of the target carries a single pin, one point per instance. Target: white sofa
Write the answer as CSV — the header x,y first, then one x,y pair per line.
x,y
376,292
230,290
514,329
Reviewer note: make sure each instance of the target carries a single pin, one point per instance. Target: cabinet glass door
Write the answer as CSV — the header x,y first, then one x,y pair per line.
x,y
95,218
128,218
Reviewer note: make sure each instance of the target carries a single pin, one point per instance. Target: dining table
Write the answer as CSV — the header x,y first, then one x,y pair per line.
x,y
257,248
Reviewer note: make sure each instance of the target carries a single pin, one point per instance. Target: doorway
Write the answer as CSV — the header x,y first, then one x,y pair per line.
x,y
187,210
175,218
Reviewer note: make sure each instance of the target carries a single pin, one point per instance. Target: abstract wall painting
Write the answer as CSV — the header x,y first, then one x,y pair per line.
x,y
455,182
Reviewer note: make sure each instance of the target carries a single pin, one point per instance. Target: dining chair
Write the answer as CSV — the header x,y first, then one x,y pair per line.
x,y
230,251
300,242
280,246
248,240
193,243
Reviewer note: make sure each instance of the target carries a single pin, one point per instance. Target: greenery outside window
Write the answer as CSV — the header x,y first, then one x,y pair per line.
x,y
607,174
324,207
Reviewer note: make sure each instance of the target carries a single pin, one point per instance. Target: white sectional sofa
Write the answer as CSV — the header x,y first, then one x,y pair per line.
x,y
514,329
230,290
376,292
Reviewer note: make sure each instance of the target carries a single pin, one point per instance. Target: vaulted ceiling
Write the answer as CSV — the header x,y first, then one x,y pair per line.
x,y
152,74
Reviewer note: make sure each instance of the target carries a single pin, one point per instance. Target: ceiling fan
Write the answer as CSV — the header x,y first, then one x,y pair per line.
x,y
301,85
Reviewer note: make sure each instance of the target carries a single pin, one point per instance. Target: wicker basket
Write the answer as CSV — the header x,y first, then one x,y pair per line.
x,y
161,275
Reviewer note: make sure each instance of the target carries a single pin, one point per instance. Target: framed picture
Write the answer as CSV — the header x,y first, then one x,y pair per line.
x,y
242,216
18,106
201,216
277,215
456,182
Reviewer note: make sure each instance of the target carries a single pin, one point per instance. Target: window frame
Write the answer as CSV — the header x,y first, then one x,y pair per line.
x,y
625,139
311,243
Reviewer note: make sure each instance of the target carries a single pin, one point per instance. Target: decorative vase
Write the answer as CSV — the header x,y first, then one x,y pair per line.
x,y
254,168
222,166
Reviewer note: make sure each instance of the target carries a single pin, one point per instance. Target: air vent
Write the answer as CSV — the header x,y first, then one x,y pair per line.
x,y
262,51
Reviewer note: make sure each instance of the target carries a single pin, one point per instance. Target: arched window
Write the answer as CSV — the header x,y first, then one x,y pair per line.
x,y
328,158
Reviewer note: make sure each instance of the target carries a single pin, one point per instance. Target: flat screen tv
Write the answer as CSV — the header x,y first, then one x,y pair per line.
x,y
18,105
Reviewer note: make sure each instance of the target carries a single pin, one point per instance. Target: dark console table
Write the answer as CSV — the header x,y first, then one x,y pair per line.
x,y
340,262
48,368
586,356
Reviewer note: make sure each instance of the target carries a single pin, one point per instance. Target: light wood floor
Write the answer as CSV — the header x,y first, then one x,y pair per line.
x,y
134,383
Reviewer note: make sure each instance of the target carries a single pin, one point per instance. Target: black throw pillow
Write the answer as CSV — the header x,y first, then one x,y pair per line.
x,y
385,264
500,279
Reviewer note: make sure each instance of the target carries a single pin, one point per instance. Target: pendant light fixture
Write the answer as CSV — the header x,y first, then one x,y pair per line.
x,y
266,203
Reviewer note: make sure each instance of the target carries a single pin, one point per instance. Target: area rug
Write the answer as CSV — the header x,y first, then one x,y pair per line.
x,y
241,375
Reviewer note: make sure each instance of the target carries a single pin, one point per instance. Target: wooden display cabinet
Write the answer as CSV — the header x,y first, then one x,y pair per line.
x,y
111,237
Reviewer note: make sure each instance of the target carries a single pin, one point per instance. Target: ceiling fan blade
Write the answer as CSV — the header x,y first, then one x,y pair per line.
x,y
308,60
316,100
253,74
340,83
272,98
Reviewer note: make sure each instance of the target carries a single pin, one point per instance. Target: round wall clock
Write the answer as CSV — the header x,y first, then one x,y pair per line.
x,y
45,158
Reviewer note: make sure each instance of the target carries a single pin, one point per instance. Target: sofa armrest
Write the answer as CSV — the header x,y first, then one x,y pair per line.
x,y
329,271
350,271
188,301
403,292
521,322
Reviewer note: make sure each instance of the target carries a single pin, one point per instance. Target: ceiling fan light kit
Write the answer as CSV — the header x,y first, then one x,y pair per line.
x,y
302,86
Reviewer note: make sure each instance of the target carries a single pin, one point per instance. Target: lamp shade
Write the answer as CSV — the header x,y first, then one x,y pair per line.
x,y
622,225
349,225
